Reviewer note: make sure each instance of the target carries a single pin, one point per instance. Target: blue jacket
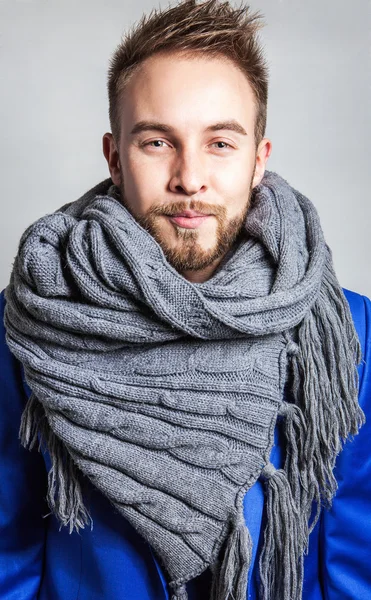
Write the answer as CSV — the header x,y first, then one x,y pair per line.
x,y
112,562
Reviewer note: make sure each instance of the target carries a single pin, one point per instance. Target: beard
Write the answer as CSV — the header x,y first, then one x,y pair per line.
x,y
188,254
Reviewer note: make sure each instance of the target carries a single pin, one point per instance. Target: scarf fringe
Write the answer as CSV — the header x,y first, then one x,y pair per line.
x,y
281,559
325,392
324,414
64,494
304,486
230,577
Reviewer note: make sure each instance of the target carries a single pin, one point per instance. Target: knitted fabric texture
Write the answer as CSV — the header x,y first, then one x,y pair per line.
x,y
166,393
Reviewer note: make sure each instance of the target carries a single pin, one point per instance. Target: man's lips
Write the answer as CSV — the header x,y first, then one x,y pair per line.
x,y
189,213
189,222
189,219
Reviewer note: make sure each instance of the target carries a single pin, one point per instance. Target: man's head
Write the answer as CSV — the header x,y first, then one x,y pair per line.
x,y
188,95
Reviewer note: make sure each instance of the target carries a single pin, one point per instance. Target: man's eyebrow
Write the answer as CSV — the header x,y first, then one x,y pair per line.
x,y
231,125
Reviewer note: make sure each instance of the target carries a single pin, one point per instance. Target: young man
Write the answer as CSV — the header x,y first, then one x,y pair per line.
x,y
177,345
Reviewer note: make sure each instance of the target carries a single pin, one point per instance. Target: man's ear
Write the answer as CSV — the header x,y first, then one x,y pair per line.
x,y
262,155
112,157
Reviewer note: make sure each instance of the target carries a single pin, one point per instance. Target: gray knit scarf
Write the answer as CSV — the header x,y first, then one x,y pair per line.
x,y
166,393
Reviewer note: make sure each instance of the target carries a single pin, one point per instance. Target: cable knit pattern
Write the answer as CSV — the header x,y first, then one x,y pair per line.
x,y
165,393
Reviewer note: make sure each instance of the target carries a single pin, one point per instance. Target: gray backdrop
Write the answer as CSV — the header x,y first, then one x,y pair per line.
x,y
54,56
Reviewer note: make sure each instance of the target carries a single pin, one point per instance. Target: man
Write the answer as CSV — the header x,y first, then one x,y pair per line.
x,y
179,348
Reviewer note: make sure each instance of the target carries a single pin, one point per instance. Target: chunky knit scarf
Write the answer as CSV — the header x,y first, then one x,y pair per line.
x,y
166,393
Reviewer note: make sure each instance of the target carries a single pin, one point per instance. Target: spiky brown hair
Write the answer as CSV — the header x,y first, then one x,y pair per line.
x,y
211,27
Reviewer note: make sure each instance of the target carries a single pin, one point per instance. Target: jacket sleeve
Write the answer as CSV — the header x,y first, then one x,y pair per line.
x,y
23,485
346,528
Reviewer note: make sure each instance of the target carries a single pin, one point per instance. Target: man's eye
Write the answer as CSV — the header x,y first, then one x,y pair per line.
x,y
154,142
221,142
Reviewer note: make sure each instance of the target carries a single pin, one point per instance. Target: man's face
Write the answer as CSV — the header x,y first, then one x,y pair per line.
x,y
185,165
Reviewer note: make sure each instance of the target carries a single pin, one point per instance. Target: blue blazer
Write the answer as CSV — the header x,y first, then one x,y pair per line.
x,y
113,562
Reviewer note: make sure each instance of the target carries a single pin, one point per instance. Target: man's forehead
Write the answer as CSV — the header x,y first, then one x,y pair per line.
x,y
201,85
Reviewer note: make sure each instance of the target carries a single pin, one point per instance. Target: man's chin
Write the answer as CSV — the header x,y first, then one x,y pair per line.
x,y
192,249
190,256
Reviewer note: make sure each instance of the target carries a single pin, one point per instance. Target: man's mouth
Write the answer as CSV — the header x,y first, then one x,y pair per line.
x,y
189,219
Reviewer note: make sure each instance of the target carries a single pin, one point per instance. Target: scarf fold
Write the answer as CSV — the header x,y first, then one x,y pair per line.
x,y
165,393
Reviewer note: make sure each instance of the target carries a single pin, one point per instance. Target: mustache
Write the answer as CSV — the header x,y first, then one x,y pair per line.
x,y
177,207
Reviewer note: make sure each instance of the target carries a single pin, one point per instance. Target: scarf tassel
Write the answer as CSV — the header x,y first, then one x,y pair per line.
x,y
180,593
281,559
303,483
64,495
230,578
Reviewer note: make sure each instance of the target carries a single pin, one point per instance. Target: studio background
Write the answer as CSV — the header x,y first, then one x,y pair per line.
x,y
54,57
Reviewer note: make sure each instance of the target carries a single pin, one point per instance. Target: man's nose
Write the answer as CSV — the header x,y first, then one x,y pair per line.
x,y
189,174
